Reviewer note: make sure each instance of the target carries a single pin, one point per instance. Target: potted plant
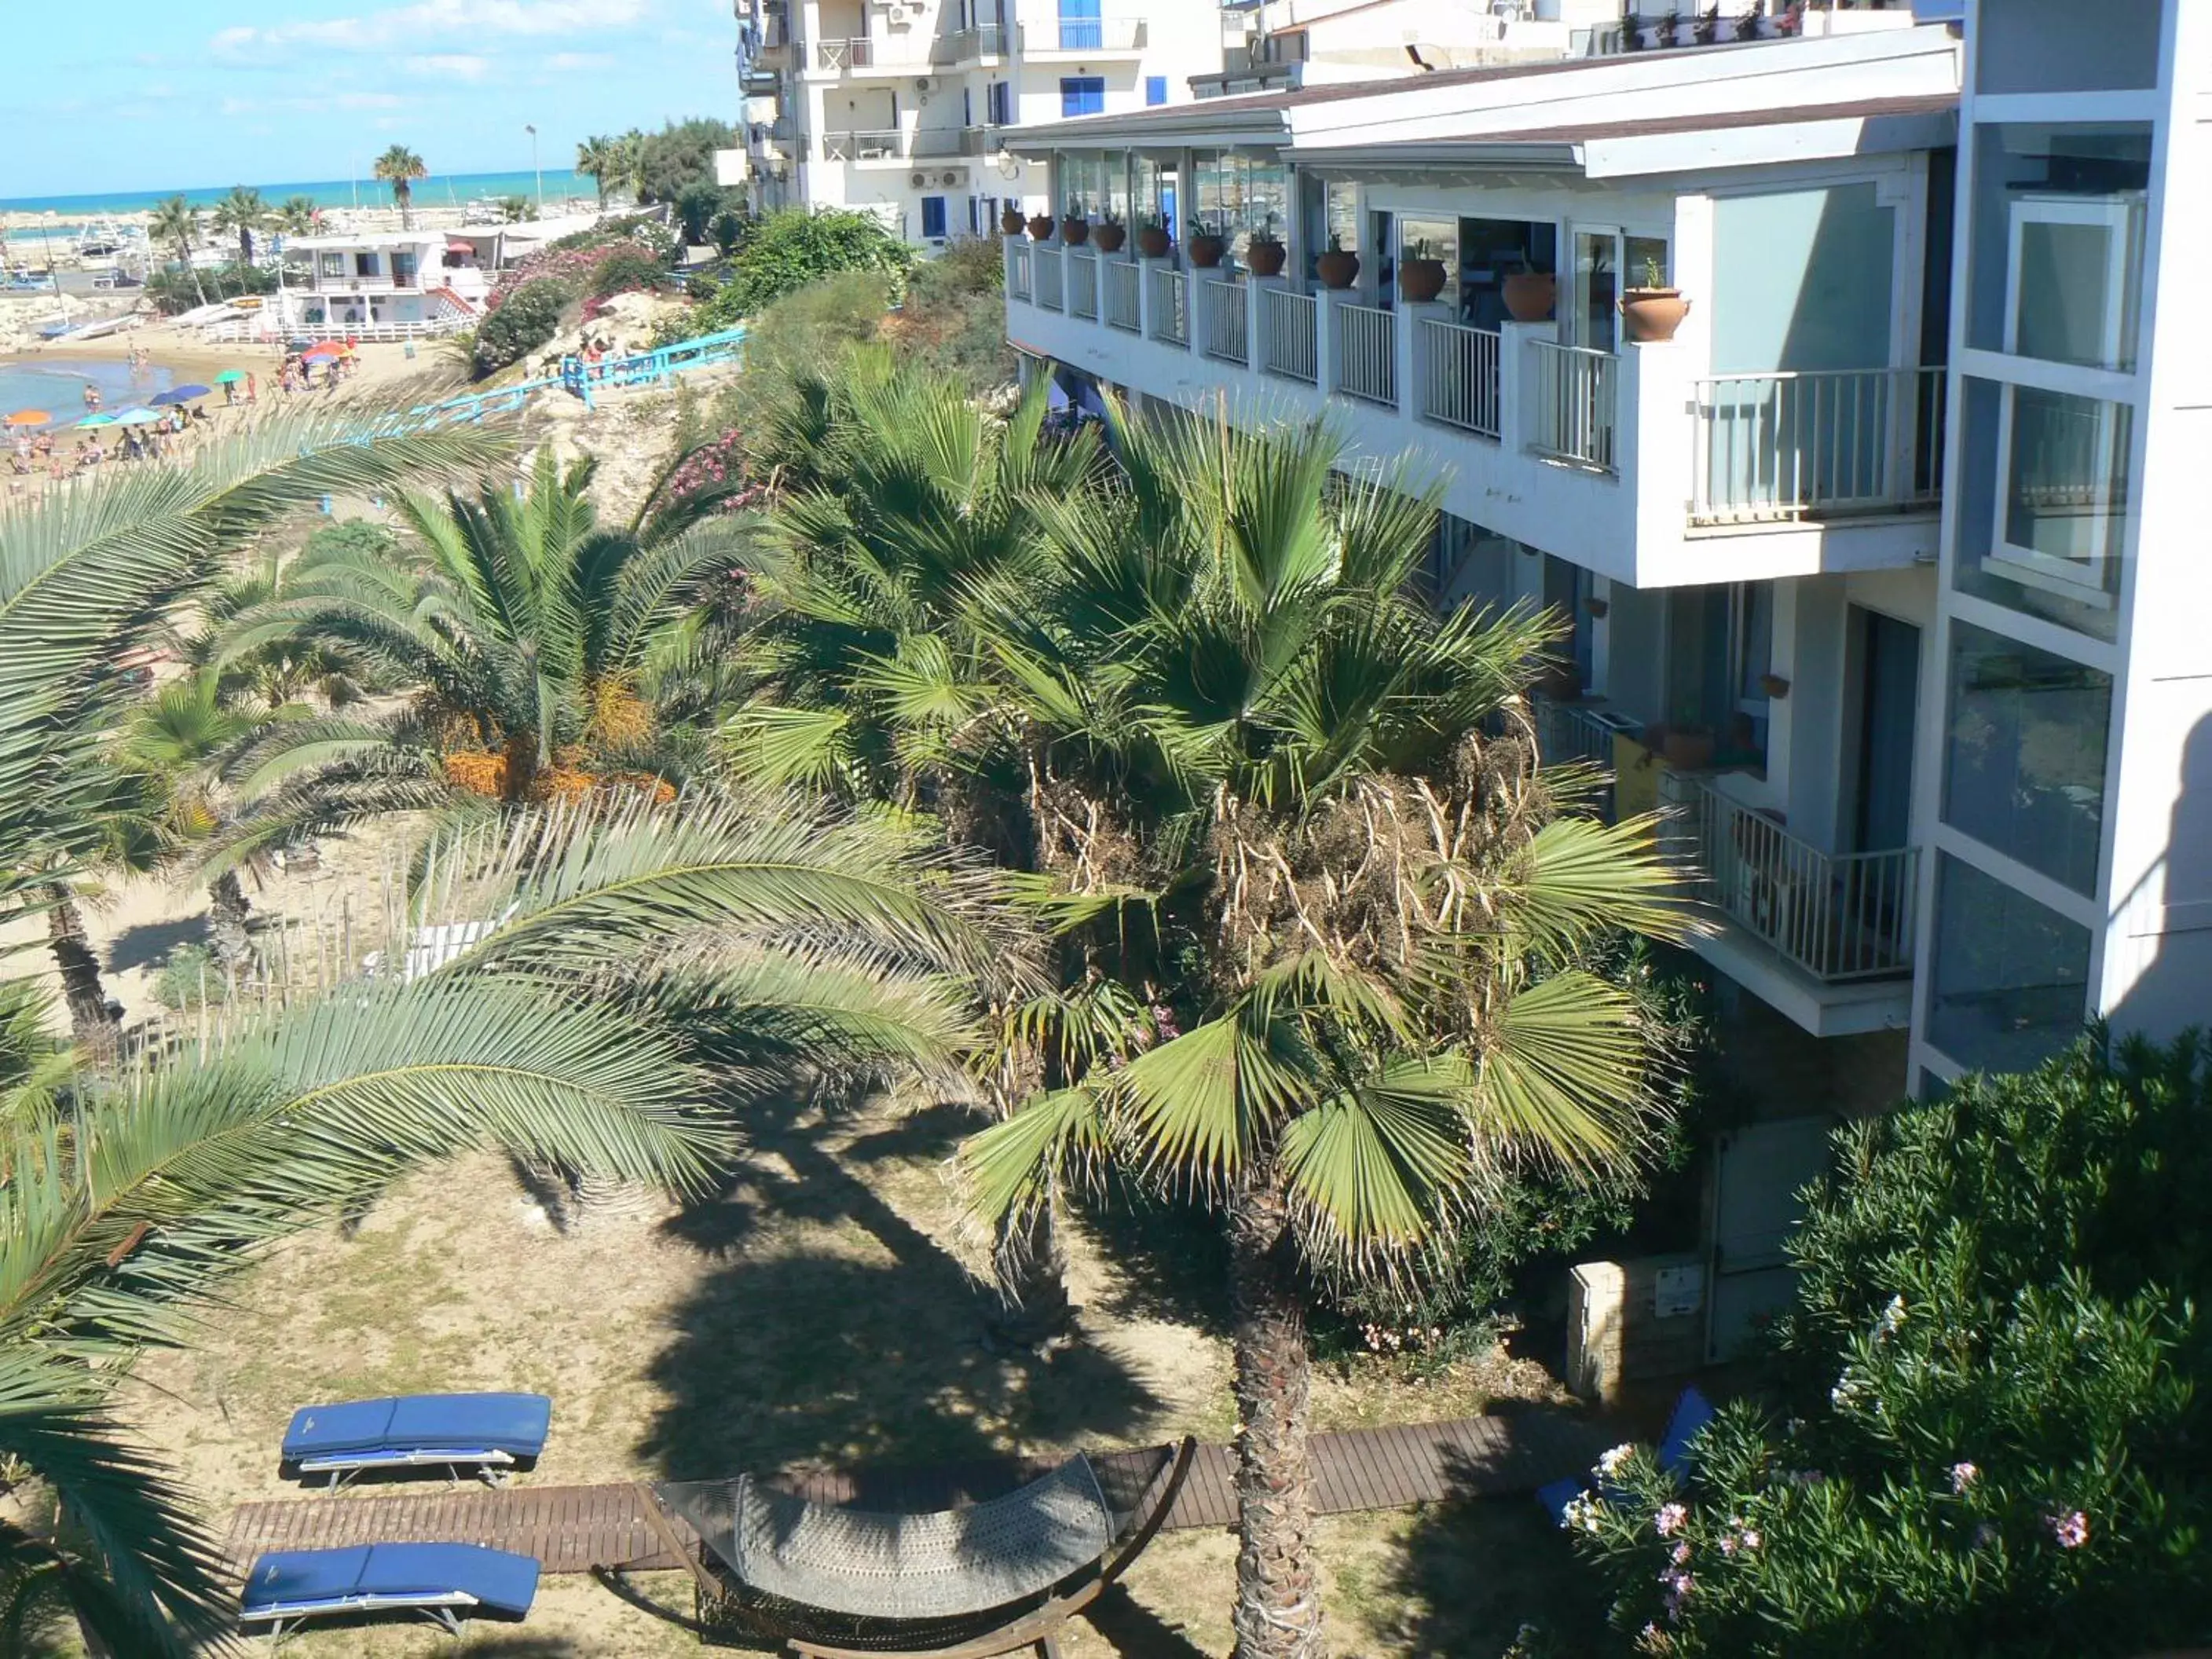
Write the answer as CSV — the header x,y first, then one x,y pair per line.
x,y
1152,239
1010,220
1530,294
1653,312
1075,227
1560,679
1208,242
1041,227
1421,278
1109,234
1336,268
1265,254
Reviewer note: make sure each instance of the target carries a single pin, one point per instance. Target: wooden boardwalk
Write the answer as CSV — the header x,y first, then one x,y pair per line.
x,y
576,1528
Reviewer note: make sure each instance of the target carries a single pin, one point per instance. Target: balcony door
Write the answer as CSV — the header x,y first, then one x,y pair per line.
x,y
1888,694
1082,27
1593,318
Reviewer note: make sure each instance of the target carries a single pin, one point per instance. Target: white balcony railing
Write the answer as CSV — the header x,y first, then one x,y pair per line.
x,y
1017,268
878,144
1228,322
1837,915
1047,294
1168,307
1574,393
1084,34
1289,345
1082,284
1122,292
965,45
1367,353
862,51
1798,446
1459,376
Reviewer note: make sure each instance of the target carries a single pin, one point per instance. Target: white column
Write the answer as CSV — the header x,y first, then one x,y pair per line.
x,y
1516,394
1256,307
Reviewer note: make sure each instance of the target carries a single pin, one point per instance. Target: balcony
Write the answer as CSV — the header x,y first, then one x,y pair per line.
x,y
1084,37
907,54
892,145
1773,448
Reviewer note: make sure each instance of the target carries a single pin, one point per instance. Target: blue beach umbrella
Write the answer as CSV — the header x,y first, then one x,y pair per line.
x,y
178,394
97,420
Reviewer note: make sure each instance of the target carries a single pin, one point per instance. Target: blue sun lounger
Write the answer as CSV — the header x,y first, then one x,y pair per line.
x,y
489,1433
438,1581
1691,1413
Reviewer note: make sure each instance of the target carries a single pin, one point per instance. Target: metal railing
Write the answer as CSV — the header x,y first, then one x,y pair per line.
x,y
1459,376
1228,322
1018,269
1123,295
864,52
1168,307
1801,445
269,328
1289,344
1837,915
1574,394
1082,284
1084,34
899,144
963,45
1047,292
1576,732
1367,353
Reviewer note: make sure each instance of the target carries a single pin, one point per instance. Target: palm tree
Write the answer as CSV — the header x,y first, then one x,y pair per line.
x,y
600,158
1257,752
240,213
176,224
178,737
298,216
401,167
529,634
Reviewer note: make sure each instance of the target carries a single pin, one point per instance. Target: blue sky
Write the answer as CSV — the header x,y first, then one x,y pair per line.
x,y
141,94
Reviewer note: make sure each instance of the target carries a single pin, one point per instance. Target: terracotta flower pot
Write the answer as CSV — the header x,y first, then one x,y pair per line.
x,y
1687,748
1109,238
1041,227
1206,252
1337,269
1073,231
1154,242
1420,280
1266,256
1530,295
1652,314
1009,221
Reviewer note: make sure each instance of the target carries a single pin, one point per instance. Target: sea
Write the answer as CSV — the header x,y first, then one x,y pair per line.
x,y
56,384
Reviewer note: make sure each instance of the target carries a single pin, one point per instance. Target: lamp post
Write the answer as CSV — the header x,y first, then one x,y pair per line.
x,y
535,168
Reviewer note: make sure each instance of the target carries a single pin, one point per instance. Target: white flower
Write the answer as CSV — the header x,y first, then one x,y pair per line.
x,y
1580,1510
1610,1463
1963,1475
1846,1393
1751,1539
1670,1520
1892,1317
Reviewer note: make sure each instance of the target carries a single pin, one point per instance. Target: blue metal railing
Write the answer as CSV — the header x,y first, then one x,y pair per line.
x,y
647,368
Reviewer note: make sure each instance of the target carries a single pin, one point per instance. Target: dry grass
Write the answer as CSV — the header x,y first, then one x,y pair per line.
x,y
825,1311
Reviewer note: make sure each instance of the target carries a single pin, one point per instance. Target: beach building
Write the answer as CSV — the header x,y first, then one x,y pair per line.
x,y
899,107
1272,45
384,285
1820,383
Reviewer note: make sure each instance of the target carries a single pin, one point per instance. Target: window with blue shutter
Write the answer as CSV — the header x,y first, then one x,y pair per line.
x,y
1156,89
1081,94
933,217
999,104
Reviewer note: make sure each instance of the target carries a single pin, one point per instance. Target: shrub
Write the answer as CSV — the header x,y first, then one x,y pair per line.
x,y
786,251
1998,1376
681,154
696,204
727,229
524,321
625,269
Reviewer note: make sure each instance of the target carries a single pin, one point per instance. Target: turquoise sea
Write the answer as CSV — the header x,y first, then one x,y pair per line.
x,y
56,384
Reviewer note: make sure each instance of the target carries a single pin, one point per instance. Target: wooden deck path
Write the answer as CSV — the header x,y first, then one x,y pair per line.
x,y
575,1528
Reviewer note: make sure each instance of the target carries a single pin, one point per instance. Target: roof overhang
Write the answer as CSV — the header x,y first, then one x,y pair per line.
x,y
1187,126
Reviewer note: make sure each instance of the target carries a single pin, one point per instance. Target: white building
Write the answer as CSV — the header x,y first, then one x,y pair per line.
x,y
1284,44
396,284
898,107
1873,570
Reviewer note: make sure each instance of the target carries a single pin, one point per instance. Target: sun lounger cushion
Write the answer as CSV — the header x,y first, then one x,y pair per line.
x,y
513,1423
295,1582
1691,1413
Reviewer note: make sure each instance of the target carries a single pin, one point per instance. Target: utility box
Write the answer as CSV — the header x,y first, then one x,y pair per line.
x,y
1634,1322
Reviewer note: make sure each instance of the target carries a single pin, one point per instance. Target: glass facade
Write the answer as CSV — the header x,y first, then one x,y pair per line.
x,y
2063,46
2010,977
2024,754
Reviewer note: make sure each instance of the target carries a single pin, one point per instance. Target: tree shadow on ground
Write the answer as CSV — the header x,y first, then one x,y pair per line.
x,y
1135,1632
1476,1570
149,943
1173,1257
844,1335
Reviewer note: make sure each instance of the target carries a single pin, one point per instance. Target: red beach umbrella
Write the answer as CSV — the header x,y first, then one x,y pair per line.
x,y
328,349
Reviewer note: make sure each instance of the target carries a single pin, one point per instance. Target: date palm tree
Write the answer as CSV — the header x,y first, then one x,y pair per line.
x,y
176,224
600,158
240,214
297,215
400,166
1300,817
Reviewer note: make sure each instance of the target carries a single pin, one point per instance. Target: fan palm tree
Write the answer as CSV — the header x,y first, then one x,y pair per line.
x,y
1258,752
600,158
298,215
240,214
528,633
176,224
400,168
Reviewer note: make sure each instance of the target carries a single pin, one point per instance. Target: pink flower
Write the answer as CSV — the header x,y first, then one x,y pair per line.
x,y
1681,1555
1751,1539
2070,1530
1728,1546
1670,1520
1963,1475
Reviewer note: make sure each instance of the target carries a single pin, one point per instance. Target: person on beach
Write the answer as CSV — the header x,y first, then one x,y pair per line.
x,y
91,395
230,394
252,391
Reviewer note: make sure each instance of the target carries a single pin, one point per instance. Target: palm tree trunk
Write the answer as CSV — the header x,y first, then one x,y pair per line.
x,y
184,251
92,1022
227,914
1030,1265
1277,1615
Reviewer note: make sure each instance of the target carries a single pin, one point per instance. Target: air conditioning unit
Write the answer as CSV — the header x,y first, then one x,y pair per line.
x,y
951,177
918,179
921,83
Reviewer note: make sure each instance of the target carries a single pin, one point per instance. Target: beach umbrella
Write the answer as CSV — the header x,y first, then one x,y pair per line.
x,y
29,417
328,349
136,417
230,377
97,420
178,394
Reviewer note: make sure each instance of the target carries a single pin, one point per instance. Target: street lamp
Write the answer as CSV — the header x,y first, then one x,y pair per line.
x,y
535,168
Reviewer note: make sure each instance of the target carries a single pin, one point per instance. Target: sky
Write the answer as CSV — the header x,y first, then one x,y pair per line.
x,y
110,95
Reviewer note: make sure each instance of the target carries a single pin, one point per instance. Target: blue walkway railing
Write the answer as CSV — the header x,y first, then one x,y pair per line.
x,y
647,368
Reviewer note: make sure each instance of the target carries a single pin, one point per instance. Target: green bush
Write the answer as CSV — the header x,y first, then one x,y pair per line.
x,y
970,265
1999,1385
727,229
786,251
681,154
525,321
625,271
696,206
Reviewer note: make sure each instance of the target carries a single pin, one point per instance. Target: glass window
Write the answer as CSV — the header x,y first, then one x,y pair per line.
x,y
368,264
1080,26
2024,753
1156,89
2046,502
402,270
2063,46
1082,95
333,264
933,216
997,104
2010,977
2057,263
